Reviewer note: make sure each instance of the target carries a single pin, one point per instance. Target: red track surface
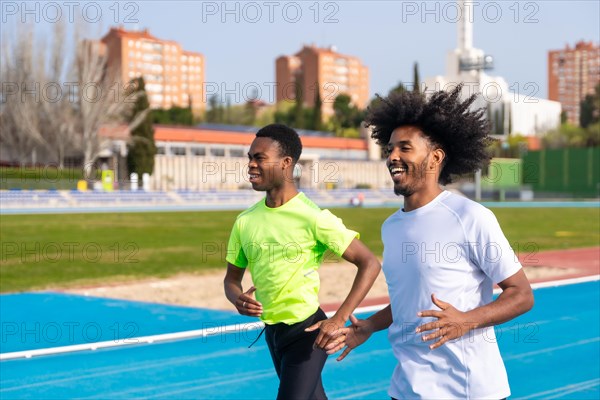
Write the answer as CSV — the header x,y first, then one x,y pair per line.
x,y
586,261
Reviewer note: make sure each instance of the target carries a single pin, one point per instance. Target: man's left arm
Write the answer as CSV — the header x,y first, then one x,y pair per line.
x,y
516,299
368,269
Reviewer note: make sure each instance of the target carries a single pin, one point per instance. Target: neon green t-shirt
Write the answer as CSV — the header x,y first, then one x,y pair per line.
x,y
283,248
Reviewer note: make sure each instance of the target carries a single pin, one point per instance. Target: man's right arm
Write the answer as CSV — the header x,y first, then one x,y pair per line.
x,y
244,302
361,329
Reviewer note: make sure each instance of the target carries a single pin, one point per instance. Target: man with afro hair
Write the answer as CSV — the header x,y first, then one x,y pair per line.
x,y
442,255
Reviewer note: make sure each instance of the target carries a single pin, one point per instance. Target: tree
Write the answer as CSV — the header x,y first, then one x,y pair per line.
x,y
228,114
416,80
597,102
60,137
266,116
298,102
342,110
399,88
510,131
586,111
589,110
141,149
251,108
375,102
346,115
318,112
284,112
86,96
213,114
111,105
23,70
497,124
173,116
250,112
497,119
568,135
502,127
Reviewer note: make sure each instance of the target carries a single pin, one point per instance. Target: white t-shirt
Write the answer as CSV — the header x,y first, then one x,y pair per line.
x,y
452,247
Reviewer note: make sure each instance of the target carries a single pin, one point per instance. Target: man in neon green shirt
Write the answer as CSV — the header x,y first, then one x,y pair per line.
x,y
281,240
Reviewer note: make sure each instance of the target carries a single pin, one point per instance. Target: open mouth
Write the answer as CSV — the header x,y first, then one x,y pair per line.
x,y
396,171
253,177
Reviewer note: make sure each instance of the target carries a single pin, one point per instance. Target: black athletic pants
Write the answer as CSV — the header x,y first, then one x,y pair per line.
x,y
298,366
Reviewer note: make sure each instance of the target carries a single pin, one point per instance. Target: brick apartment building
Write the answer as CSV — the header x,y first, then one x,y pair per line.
x,y
572,74
331,72
173,76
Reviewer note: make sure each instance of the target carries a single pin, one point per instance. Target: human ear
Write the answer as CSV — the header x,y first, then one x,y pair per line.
x,y
286,162
438,157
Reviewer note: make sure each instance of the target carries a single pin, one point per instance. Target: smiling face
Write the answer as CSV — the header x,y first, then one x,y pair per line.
x,y
412,161
267,168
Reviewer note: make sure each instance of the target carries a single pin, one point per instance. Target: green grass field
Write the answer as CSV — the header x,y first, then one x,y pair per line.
x,y
44,178
58,251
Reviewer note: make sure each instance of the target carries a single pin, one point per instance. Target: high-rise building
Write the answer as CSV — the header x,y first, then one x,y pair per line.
x,y
323,68
510,113
572,74
173,76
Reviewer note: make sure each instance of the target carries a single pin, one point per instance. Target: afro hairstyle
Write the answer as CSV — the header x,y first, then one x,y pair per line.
x,y
446,121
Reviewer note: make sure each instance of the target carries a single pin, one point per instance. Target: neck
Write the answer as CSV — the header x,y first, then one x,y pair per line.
x,y
277,197
420,199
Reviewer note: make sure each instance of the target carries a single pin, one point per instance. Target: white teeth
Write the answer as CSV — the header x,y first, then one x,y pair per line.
x,y
397,170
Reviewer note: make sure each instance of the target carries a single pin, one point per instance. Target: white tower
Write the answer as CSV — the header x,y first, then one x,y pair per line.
x,y
465,27
467,64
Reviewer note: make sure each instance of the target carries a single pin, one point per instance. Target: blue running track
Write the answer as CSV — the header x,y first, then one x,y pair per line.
x,y
551,352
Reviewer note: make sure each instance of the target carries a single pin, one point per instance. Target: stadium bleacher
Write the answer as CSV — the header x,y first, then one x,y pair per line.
x,y
36,199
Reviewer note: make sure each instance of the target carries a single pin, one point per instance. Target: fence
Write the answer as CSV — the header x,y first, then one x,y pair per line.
x,y
229,173
571,171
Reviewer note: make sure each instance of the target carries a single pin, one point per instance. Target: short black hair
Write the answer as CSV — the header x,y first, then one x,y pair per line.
x,y
287,138
446,121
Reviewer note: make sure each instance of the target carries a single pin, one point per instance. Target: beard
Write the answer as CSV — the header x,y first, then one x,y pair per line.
x,y
415,177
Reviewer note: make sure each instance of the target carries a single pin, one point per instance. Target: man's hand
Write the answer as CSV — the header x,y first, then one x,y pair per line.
x,y
451,323
355,335
330,332
247,305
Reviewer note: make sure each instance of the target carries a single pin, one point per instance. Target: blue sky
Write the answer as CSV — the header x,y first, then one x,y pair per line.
x,y
241,40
